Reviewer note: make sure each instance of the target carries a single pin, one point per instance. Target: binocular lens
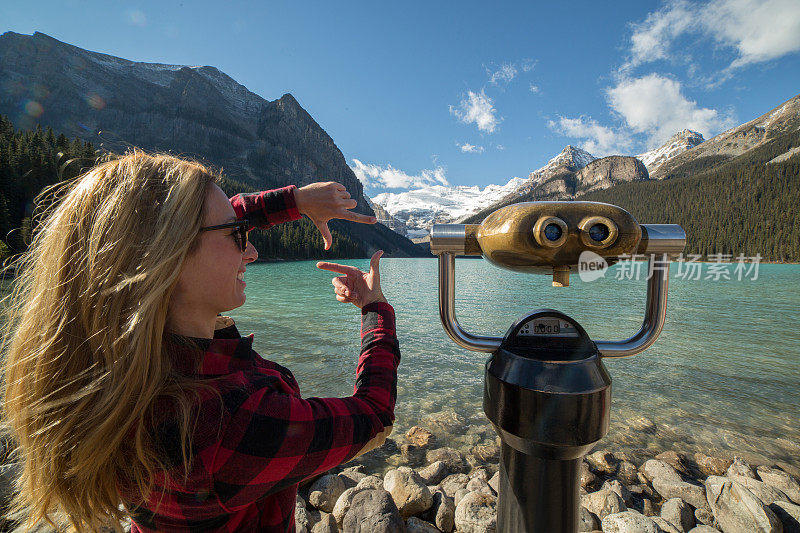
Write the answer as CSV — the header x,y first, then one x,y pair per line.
x,y
552,232
598,232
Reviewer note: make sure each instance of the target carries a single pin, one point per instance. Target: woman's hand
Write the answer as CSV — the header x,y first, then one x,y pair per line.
x,y
356,286
322,202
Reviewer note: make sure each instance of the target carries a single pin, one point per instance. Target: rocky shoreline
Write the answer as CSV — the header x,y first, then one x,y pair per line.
x,y
440,489
415,483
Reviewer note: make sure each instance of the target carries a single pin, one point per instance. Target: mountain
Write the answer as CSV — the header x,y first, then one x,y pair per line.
x,y
571,157
395,224
745,205
574,172
420,208
609,171
677,144
194,111
551,178
564,182
734,142
735,194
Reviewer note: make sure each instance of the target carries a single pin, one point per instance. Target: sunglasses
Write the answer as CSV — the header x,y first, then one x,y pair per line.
x,y
242,229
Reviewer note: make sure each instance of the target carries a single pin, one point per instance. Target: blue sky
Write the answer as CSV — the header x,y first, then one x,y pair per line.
x,y
466,93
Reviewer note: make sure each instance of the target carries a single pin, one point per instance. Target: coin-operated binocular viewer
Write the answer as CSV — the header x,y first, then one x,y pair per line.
x,y
546,390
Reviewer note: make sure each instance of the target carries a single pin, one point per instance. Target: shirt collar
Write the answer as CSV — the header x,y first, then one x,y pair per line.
x,y
210,357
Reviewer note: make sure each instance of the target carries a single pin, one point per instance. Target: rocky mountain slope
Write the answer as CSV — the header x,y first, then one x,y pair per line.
x,y
574,172
420,208
608,171
572,157
194,111
734,142
395,224
677,144
564,183
549,178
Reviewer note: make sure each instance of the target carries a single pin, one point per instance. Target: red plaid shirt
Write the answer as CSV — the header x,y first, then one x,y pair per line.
x,y
255,437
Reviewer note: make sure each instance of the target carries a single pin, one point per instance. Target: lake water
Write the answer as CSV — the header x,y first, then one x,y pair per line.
x,y
723,377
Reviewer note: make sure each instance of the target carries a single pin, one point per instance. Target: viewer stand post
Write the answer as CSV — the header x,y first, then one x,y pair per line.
x,y
546,390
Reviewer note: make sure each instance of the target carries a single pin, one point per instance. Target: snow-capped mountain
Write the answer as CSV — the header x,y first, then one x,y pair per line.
x,y
736,141
678,143
421,208
570,157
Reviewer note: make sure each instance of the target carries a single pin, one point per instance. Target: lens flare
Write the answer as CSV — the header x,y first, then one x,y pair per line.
x,y
33,108
95,101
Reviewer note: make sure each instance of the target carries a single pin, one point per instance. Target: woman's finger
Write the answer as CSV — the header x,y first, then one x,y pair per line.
x,y
358,217
341,282
374,263
327,239
341,269
343,290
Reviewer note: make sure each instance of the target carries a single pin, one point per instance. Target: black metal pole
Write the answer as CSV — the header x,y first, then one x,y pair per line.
x,y
538,494
548,397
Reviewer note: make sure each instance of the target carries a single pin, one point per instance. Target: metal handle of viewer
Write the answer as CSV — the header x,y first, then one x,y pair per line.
x,y
654,315
447,310
658,240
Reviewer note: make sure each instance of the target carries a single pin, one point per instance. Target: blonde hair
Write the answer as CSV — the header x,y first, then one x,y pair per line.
x,y
84,364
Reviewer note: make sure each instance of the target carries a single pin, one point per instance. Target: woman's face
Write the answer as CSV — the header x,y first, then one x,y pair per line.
x,y
210,281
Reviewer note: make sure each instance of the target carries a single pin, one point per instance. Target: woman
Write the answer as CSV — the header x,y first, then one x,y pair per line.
x,y
125,391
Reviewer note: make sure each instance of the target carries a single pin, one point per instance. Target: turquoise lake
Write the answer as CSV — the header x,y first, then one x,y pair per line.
x,y
723,377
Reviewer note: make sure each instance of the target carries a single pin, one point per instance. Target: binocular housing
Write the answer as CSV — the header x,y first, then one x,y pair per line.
x,y
541,237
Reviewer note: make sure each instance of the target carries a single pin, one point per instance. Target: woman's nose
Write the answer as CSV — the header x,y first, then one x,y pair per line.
x,y
250,254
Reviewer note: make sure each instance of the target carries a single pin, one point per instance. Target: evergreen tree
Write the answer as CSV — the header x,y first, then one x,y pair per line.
x,y
33,160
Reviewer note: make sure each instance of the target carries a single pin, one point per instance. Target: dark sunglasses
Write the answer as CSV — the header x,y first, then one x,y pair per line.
x,y
242,229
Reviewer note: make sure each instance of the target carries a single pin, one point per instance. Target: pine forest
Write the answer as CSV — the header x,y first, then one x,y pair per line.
x,y
33,160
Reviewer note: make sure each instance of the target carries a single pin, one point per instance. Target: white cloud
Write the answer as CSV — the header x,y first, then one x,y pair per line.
x,y
652,39
477,108
471,148
388,177
136,17
534,89
655,106
759,30
505,74
598,140
500,147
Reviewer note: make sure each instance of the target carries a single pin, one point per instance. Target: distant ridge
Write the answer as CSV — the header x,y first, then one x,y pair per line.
x,y
194,111
737,141
574,171
677,144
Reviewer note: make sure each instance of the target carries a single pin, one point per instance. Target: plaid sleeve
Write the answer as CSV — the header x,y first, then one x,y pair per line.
x,y
267,208
272,440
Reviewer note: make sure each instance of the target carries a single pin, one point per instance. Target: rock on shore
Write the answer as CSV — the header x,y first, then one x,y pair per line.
x,y
670,492
453,491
